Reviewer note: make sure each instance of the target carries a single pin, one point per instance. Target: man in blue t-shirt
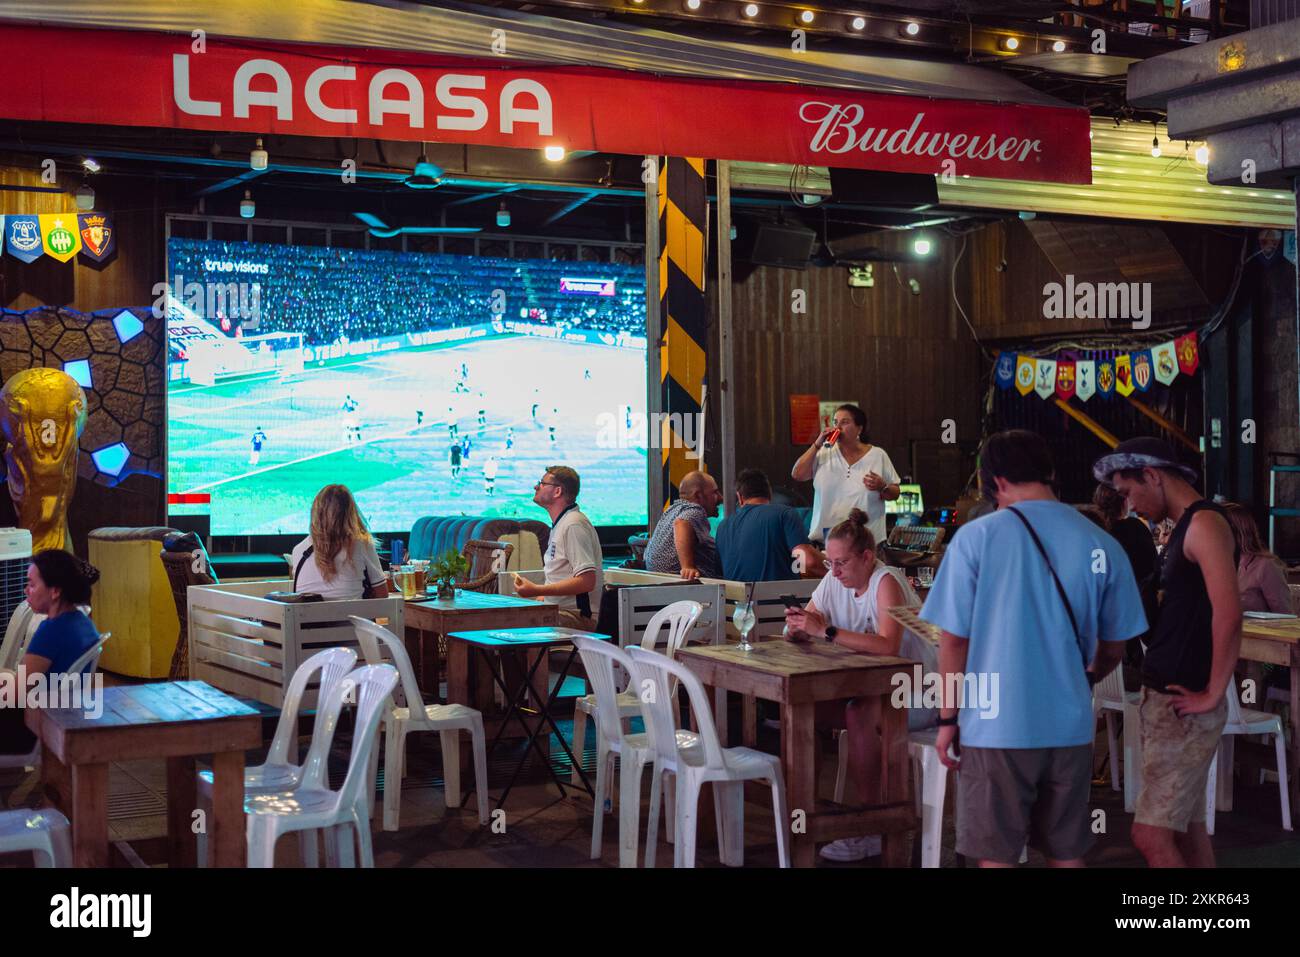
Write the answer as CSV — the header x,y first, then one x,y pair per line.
x,y
1023,741
762,542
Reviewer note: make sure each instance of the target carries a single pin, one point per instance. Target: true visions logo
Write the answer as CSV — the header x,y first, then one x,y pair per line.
x,y
74,910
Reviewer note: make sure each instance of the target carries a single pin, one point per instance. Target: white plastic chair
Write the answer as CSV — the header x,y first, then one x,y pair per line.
x,y
44,832
634,752
679,617
280,772
1110,698
312,805
399,721
1247,721
87,663
17,633
708,761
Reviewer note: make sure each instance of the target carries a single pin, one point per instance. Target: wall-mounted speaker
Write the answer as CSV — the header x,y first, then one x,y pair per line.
x,y
906,191
787,245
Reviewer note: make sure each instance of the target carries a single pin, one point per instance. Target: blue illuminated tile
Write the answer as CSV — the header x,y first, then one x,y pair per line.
x,y
111,458
79,369
127,326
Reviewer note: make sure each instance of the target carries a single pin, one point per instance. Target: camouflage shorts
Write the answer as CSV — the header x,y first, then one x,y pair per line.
x,y
1176,756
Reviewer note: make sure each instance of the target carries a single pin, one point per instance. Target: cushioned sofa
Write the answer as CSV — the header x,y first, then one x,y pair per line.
x,y
434,534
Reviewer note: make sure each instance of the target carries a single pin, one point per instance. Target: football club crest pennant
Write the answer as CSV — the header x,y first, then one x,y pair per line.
x,y
1142,374
1085,379
1045,383
1064,379
1166,363
23,238
1004,373
1105,377
59,235
97,239
1189,356
1024,374
1124,374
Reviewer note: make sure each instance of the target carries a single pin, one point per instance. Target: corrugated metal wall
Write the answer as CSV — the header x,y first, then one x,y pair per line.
x,y
1265,12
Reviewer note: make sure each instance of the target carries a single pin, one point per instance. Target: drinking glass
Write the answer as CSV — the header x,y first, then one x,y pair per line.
x,y
743,619
407,581
925,575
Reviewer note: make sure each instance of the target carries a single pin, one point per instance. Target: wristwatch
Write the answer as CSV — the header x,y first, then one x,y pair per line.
x,y
947,722
831,632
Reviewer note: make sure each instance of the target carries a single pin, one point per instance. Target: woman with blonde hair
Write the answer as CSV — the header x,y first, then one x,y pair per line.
x,y
1261,576
338,559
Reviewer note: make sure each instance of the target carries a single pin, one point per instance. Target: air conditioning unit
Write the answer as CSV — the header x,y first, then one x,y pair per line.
x,y
15,556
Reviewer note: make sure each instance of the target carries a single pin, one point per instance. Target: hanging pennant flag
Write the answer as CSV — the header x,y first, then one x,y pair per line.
x,y
1085,377
1189,356
1124,374
1142,369
59,235
1064,379
1045,384
1024,374
97,239
1106,377
1166,362
23,238
1004,373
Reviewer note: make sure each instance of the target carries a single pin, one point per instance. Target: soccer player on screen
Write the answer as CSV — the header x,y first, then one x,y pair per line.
x,y
259,438
490,475
455,460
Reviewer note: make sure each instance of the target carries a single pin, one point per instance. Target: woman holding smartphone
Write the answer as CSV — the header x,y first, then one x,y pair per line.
x,y
847,472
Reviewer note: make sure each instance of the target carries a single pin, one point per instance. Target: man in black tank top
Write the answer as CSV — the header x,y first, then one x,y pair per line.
x,y
1191,653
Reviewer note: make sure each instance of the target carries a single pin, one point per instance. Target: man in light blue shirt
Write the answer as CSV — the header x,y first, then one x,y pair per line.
x,y
1024,737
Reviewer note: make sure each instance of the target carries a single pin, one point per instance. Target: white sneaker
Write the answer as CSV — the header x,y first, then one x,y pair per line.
x,y
852,848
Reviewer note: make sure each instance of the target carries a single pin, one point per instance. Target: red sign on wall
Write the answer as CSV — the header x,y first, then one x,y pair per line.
x,y
155,80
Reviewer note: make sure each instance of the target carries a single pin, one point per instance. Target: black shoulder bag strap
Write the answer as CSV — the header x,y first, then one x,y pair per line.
x,y
302,561
1060,589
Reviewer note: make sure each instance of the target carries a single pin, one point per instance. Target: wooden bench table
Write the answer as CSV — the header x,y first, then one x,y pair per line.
x,y
797,676
176,720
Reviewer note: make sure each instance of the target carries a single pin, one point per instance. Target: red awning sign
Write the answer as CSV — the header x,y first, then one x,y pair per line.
x,y
310,90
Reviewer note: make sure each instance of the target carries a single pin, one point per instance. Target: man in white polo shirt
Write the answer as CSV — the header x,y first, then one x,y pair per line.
x,y
573,558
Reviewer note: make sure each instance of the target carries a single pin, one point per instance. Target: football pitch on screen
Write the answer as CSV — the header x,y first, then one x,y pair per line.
x,y
530,403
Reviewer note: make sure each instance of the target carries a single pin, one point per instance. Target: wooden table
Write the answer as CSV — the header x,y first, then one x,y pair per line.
x,y
797,676
176,720
1277,641
520,683
429,619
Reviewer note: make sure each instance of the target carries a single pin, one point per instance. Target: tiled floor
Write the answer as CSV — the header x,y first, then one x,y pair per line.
x,y
542,829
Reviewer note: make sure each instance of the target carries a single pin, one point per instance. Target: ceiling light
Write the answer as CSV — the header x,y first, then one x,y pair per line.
x,y
85,197
426,175
90,164
911,29
1155,146
1203,155
1058,46
1011,43
258,158
858,23
807,16
554,153
692,4
921,246
751,10
503,215
247,208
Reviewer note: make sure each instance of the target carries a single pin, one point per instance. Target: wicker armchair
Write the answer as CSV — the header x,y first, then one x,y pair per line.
x,y
180,565
485,560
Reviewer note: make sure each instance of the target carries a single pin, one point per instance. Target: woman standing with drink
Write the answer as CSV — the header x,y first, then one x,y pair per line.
x,y
847,472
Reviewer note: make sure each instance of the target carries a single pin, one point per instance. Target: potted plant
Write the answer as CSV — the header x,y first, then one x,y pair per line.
x,y
445,569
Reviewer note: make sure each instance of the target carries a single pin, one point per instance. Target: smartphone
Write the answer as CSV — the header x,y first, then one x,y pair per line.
x,y
790,601
832,438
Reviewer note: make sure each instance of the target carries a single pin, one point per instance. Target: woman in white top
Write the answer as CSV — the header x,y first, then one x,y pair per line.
x,y
338,559
851,474
850,608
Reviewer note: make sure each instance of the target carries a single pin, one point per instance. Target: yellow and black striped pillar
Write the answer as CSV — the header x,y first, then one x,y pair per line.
x,y
683,314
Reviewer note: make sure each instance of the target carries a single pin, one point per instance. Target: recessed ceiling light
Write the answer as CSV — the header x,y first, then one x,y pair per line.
x,y
1011,43
858,23
692,4
912,28
1058,46
806,16
751,10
